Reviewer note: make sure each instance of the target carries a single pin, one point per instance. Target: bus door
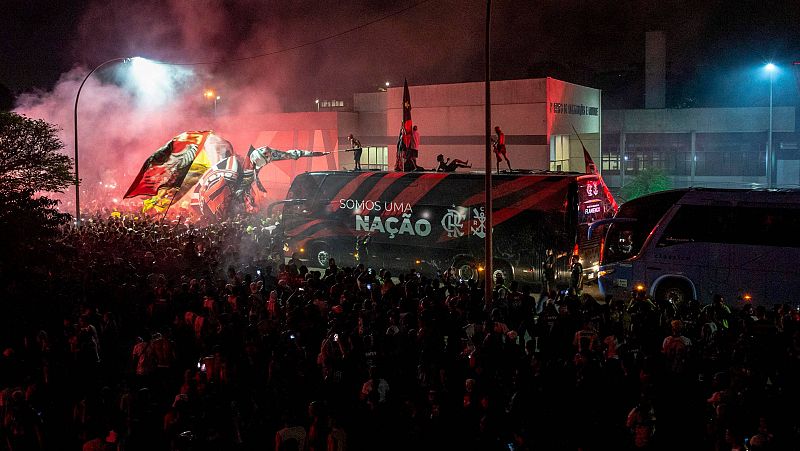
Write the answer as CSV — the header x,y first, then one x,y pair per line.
x,y
694,245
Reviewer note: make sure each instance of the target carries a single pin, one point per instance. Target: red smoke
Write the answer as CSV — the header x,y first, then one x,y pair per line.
x,y
117,133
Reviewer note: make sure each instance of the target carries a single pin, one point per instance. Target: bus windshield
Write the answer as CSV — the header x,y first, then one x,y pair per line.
x,y
624,240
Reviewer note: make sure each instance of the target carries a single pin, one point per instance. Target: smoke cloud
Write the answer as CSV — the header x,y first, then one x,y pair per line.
x,y
120,124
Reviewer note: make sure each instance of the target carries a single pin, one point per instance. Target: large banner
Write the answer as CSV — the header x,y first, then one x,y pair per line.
x,y
168,166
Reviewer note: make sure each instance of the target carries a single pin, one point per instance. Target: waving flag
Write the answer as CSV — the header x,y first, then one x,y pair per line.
x,y
591,168
407,124
219,185
167,168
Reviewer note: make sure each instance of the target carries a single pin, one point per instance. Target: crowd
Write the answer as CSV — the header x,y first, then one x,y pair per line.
x,y
163,336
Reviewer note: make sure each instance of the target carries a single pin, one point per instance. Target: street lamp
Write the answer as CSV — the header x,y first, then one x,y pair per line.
x,y
317,102
210,94
75,123
771,69
488,276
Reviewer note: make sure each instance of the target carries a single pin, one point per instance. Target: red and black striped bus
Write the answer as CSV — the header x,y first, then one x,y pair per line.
x,y
435,221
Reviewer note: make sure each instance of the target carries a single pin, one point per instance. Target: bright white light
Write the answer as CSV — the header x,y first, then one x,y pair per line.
x,y
770,67
154,83
387,84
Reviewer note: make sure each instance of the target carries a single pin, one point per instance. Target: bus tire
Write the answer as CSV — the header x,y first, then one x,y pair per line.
x,y
680,290
504,268
466,268
320,253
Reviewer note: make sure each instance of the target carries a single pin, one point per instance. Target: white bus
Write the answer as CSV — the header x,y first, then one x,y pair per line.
x,y
694,243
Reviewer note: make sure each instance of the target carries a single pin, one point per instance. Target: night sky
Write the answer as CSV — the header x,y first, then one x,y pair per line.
x,y
714,49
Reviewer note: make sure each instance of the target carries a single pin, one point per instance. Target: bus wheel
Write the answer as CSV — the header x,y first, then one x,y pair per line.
x,y
466,269
320,255
504,269
678,290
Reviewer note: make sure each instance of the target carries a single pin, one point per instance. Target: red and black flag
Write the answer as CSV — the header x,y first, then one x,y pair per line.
x,y
168,166
407,125
587,159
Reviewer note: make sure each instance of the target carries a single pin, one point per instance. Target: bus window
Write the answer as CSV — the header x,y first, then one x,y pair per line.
x,y
620,243
624,240
302,193
733,225
767,226
700,224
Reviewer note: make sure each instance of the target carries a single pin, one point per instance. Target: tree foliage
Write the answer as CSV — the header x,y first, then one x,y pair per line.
x,y
648,181
31,162
31,157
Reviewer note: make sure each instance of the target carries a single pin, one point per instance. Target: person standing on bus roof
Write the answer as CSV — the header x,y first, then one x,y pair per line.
x,y
499,147
415,147
355,145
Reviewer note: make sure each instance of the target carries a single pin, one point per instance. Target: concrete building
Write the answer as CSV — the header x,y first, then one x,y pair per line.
x,y
712,147
540,118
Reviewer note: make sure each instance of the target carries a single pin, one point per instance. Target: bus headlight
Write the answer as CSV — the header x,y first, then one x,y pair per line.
x,y
605,272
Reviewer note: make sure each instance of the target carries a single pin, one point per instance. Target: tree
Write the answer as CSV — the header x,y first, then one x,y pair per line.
x,y
31,157
31,162
648,181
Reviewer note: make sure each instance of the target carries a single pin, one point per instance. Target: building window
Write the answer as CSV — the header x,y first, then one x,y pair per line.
x,y
731,154
372,158
331,103
610,162
609,154
669,152
559,153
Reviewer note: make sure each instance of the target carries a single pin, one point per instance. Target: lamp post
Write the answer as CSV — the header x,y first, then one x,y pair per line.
x,y
210,94
488,276
770,68
75,123
317,102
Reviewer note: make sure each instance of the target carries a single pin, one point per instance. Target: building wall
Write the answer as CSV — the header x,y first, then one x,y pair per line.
x,y
719,147
317,131
574,111
451,120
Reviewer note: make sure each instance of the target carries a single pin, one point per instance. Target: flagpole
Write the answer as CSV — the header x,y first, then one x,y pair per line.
x,y
174,195
488,277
